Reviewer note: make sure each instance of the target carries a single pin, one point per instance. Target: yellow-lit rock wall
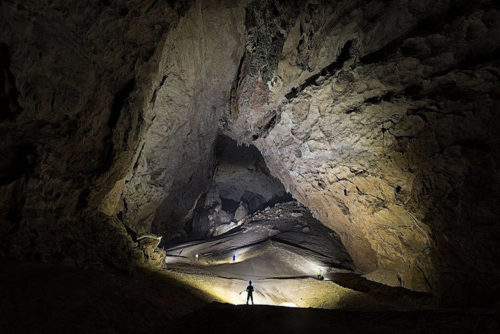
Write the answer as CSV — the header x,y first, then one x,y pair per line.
x,y
380,118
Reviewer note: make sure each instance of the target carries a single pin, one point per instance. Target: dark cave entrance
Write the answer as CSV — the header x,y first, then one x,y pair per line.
x,y
229,205
241,185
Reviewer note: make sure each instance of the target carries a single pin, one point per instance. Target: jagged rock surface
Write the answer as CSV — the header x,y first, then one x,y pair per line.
x,y
176,160
76,77
380,118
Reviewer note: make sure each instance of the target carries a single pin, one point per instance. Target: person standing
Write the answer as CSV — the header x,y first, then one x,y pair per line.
x,y
250,292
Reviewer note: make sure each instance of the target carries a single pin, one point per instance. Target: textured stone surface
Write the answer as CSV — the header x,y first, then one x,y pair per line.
x,y
176,161
381,120
75,79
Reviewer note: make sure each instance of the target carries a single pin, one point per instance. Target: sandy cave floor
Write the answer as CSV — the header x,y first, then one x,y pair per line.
x,y
46,298
282,253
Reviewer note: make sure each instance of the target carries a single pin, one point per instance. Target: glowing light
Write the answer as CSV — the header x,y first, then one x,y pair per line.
x,y
288,304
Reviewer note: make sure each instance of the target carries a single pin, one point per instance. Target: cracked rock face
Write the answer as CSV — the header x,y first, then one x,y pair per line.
x,y
386,131
75,78
379,117
176,159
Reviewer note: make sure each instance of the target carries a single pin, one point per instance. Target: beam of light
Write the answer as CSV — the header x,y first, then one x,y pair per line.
x,y
288,304
308,292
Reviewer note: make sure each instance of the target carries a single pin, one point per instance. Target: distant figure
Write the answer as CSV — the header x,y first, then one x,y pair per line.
x,y
197,256
249,292
234,257
320,277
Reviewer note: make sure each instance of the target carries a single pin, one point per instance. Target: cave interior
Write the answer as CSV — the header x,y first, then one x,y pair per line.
x,y
158,155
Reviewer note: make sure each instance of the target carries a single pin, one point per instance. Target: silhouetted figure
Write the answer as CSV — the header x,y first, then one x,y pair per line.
x,y
234,257
249,292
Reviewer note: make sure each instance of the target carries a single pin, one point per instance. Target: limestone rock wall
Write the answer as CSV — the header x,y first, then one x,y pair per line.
x,y
75,79
380,117
176,160
111,114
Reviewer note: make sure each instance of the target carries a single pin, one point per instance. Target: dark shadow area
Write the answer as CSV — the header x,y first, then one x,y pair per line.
x,y
224,318
397,296
9,106
229,205
44,298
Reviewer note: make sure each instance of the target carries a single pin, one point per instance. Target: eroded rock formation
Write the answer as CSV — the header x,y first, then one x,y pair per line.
x,y
76,80
378,116
387,134
241,184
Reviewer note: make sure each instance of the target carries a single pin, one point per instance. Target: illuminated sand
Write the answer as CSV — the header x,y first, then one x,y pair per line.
x,y
300,292
281,250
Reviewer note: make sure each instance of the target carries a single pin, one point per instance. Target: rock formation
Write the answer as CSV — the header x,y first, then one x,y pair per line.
x,y
378,116
387,134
